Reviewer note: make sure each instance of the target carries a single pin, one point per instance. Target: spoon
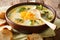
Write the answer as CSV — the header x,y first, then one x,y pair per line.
x,y
38,15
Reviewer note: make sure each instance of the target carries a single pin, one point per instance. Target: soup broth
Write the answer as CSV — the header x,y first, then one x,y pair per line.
x,y
25,15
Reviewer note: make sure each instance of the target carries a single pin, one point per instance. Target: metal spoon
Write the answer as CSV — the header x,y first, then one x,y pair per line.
x,y
38,15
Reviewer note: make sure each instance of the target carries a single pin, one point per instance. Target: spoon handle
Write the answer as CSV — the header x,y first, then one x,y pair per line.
x,y
51,25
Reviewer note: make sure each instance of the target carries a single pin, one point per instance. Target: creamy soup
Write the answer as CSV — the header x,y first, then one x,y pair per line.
x,y
27,15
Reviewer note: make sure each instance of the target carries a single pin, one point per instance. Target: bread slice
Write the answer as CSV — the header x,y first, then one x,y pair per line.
x,y
2,14
6,34
2,22
34,37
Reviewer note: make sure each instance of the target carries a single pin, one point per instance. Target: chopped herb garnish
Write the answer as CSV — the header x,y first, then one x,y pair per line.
x,y
36,21
31,22
28,8
45,11
22,9
39,7
20,20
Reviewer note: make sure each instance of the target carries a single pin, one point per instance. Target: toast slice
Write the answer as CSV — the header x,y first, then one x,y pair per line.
x,y
2,22
34,37
6,34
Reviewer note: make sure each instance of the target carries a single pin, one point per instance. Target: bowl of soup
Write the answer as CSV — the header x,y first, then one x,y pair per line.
x,y
23,17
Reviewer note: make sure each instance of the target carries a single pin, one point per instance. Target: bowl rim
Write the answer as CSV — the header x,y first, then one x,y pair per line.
x,y
29,3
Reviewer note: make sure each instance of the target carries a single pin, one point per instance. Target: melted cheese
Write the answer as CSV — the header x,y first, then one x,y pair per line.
x,y
28,15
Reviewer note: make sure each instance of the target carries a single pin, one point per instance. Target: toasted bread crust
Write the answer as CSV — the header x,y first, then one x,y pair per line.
x,y
2,15
6,34
2,22
34,37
